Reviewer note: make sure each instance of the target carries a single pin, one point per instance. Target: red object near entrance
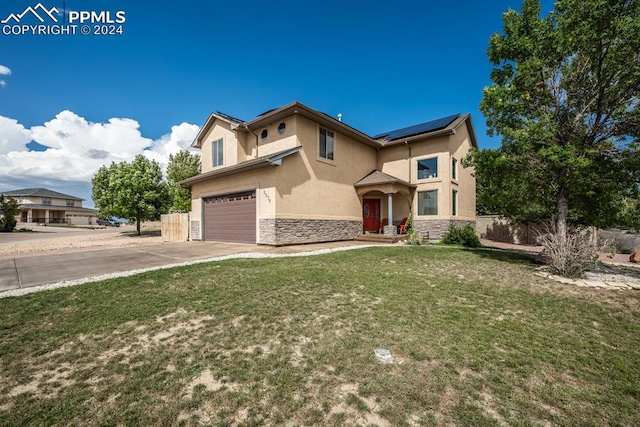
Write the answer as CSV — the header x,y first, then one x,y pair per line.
x,y
370,215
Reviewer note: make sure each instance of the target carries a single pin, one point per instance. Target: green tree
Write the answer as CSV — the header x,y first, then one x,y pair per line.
x,y
181,166
565,99
8,210
134,191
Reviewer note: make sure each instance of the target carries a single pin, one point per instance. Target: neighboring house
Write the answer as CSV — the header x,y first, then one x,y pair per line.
x,y
44,206
296,175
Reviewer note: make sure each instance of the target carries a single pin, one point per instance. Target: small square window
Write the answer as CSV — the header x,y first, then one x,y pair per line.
x,y
428,168
326,144
46,201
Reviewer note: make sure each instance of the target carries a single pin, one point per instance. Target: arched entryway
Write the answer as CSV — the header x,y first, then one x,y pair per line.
x,y
386,201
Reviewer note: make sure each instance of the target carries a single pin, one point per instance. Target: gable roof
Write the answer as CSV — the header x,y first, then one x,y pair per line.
x,y
39,192
376,178
233,122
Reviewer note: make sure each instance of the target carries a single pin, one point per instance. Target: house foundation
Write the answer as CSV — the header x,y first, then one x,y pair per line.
x,y
287,231
435,229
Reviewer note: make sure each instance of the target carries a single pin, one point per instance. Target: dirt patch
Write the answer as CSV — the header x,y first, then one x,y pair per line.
x,y
68,242
210,383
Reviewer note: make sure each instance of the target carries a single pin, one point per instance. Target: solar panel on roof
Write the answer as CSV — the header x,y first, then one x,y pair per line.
x,y
418,129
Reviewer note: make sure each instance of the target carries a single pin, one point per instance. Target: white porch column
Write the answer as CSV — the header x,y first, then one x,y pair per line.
x,y
390,229
46,216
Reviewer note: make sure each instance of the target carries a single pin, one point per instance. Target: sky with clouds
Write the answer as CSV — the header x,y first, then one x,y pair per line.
x,y
70,103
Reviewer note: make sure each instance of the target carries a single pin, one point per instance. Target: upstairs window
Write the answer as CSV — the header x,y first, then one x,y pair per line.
x,y
217,150
46,201
326,144
69,203
454,168
428,168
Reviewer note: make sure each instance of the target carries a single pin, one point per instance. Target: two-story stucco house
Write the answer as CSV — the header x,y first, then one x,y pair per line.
x,y
39,205
296,175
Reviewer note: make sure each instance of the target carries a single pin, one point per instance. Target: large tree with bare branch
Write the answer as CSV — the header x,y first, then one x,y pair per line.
x,y
565,99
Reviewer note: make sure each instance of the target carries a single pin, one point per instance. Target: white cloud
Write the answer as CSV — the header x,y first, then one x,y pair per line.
x,y
179,139
78,148
4,71
13,136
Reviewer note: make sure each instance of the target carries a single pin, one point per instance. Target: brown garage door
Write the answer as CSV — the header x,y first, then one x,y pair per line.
x,y
231,218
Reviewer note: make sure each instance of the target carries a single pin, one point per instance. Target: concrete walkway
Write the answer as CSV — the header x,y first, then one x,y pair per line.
x,y
36,270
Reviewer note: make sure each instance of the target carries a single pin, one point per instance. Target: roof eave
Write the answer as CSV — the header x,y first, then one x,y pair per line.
x,y
249,165
430,135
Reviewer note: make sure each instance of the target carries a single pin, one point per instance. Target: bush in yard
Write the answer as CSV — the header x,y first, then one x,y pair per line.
x,y
465,236
572,255
415,238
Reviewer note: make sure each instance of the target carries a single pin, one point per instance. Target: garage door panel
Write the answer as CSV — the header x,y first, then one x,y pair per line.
x,y
231,218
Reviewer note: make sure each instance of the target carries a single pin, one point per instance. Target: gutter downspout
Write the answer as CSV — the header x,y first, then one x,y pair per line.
x,y
254,134
411,191
409,148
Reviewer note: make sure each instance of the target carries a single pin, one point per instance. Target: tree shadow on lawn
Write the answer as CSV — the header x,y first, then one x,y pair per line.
x,y
512,256
145,233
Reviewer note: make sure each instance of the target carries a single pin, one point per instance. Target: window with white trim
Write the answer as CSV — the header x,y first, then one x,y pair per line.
x,y
454,202
454,168
326,144
428,202
428,168
217,152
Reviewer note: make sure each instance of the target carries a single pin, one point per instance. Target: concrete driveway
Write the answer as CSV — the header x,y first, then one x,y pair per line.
x,y
35,270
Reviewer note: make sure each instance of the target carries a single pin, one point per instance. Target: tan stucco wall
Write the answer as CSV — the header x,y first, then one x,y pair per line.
x,y
310,187
220,129
466,183
276,142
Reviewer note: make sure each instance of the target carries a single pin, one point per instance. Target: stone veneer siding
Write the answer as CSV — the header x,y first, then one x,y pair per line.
x,y
284,231
435,229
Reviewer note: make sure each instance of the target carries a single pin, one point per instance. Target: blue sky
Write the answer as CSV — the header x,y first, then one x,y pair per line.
x,y
382,64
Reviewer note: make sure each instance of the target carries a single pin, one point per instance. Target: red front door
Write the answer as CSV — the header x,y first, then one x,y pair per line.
x,y
370,214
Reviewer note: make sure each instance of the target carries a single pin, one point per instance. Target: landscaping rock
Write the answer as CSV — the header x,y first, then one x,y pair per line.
x,y
543,258
635,257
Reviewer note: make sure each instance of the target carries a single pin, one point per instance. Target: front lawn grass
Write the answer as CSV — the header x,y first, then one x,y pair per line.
x,y
477,340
